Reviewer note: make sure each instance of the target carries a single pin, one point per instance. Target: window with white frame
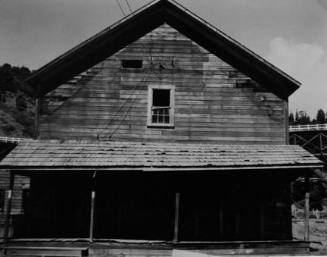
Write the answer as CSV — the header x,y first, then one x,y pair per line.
x,y
161,106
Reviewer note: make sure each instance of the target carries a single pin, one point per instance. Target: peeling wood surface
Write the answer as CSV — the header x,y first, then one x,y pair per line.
x,y
21,183
214,102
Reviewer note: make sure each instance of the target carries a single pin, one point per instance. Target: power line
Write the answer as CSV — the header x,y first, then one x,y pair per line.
x,y
129,7
121,8
121,112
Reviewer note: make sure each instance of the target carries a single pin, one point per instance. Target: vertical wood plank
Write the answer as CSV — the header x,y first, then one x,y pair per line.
x,y
176,224
8,207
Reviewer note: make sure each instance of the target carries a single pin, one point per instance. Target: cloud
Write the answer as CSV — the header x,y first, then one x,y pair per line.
x,y
323,4
307,63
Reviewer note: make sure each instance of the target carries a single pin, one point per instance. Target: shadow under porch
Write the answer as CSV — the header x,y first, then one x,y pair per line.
x,y
170,207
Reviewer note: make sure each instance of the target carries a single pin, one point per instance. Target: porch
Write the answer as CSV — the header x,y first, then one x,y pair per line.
x,y
173,197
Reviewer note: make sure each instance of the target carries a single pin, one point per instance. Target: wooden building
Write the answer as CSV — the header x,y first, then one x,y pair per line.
x,y
21,187
158,135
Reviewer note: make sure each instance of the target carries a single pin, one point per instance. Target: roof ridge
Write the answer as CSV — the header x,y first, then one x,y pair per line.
x,y
168,10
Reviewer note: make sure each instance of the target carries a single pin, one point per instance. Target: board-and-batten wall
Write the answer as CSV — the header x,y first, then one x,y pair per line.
x,y
213,101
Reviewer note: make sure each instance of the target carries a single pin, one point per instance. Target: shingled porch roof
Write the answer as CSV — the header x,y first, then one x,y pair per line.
x,y
70,154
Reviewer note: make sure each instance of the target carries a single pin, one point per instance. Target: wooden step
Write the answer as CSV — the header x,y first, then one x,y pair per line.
x,y
29,251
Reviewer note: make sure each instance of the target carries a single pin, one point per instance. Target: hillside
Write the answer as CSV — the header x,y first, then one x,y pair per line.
x,y
16,107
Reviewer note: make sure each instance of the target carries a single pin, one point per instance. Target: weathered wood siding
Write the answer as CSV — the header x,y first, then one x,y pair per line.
x,y
213,101
20,184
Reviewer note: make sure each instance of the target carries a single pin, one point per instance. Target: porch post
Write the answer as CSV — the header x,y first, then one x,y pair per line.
x,y
307,210
8,207
176,225
92,205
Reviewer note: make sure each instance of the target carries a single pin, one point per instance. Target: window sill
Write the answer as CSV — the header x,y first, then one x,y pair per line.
x,y
161,126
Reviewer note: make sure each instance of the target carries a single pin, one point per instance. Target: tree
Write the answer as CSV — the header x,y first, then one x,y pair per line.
x,y
12,78
321,117
296,121
302,118
17,117
291,119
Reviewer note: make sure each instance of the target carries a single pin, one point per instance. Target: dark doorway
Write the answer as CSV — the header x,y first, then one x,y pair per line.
x,y
134,206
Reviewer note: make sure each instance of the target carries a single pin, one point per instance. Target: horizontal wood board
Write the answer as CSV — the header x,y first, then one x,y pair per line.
x,y
211,98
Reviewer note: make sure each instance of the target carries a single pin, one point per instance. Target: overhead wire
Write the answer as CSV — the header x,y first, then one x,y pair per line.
x,y
120,7
130,101
129,6
120,113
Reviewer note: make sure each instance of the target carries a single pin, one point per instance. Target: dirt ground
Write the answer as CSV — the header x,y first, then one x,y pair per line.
x,y
318,234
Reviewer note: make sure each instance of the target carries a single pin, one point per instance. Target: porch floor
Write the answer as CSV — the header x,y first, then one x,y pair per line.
x,y
127,248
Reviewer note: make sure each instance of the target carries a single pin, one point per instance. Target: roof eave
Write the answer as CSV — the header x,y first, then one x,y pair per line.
x,y
136,25
160,169
91,51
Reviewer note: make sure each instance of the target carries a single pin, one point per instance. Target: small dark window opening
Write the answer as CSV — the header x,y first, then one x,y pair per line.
x,y
161,106
2,199
127,64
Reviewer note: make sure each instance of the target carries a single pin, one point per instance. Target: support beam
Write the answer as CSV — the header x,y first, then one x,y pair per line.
x,y
307,210
176,224
92,207
8,207
92,215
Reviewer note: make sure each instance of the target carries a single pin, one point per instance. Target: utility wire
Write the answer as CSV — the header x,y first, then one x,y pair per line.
x,y
121,8
120,112
129,7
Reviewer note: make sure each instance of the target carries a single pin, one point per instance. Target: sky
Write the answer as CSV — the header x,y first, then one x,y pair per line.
x,y
291,34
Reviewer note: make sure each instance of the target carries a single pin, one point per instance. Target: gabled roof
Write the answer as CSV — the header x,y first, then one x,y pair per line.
x,y
151,156
141,22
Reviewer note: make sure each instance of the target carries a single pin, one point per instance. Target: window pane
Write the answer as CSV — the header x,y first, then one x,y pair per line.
x,y
154,118
161,97
160,119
